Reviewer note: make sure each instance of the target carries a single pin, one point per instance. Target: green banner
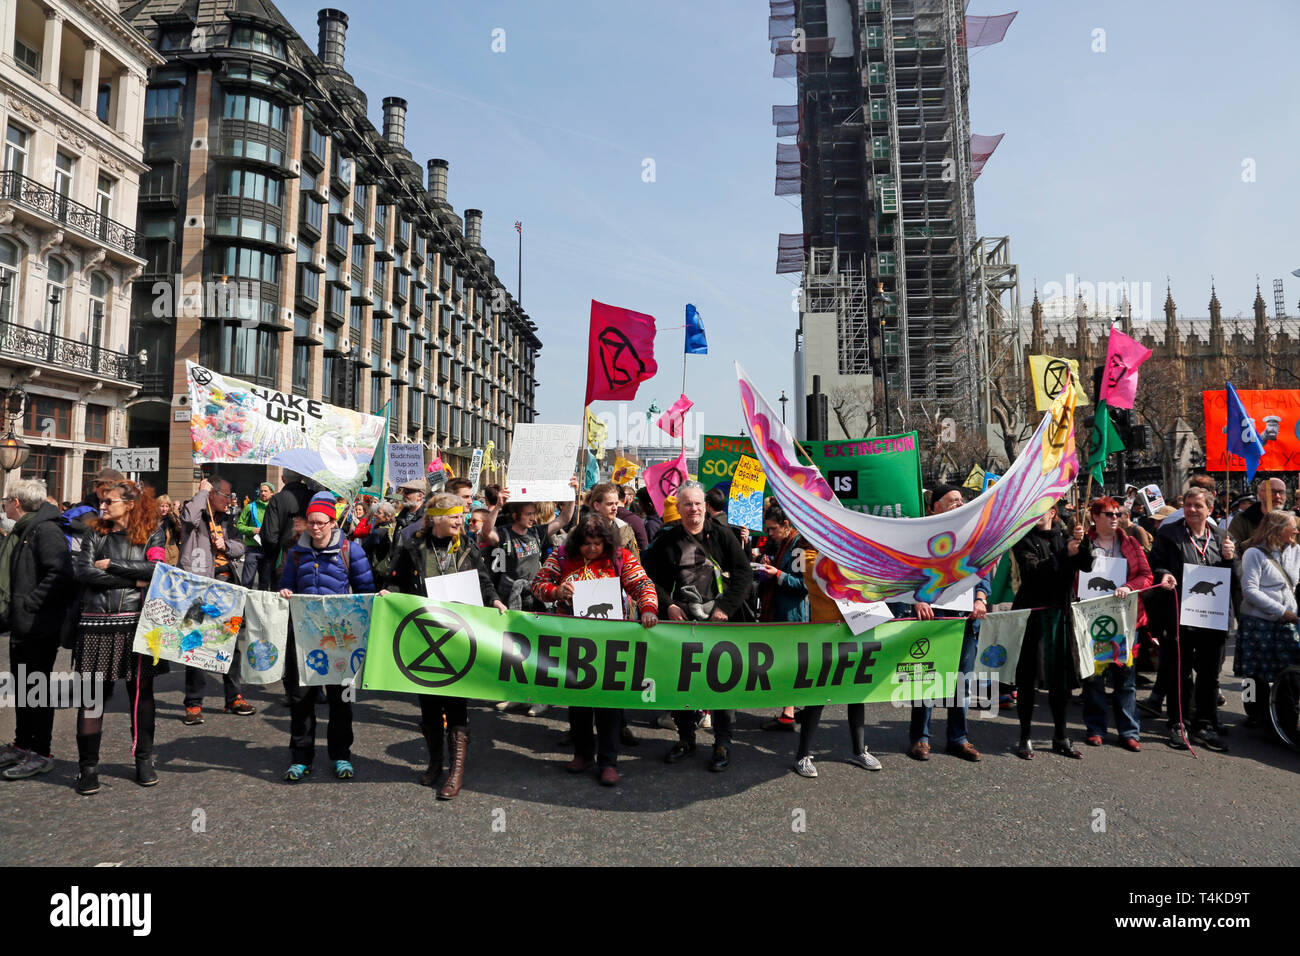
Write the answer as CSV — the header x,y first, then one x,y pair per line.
x,y
427,647
877,476
719,456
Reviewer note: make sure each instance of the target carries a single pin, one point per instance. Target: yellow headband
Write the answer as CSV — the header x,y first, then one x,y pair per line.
x,y
443,512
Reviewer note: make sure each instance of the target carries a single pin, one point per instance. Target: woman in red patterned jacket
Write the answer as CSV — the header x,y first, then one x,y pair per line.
x,y
591,552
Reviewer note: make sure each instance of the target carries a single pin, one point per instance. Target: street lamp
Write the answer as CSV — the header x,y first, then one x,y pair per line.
x,y
13,450
783,399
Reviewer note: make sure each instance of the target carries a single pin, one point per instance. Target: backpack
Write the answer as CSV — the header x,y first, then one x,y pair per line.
x,y
81,513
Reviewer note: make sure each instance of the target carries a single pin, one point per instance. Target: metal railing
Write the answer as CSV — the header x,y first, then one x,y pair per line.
x,y
47,202
16,340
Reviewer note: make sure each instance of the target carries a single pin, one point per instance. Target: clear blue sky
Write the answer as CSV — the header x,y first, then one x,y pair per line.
x,y
1123,163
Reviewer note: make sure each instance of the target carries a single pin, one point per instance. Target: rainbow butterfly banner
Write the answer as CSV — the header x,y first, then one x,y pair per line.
x,y
867,558
236,421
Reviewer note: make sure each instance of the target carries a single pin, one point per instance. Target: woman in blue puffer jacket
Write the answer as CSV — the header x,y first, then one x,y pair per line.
x,y
319,564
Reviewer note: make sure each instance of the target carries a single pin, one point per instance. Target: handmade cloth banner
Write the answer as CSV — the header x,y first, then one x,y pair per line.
x,y
1049,374
597,432
329,633
719,456
661,480
235,421
405,462
1242,437
620,353
419,646
1273,414
876,476
696,342
624,471
264,638
541,461
673,421
1119,377
1104,633
1000,638
190,620
873,558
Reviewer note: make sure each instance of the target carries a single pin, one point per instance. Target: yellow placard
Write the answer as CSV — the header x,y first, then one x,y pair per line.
x,y
748,478
975,480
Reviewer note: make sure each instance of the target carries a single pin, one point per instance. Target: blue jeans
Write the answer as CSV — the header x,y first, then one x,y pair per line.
x,y
1124,702
957,734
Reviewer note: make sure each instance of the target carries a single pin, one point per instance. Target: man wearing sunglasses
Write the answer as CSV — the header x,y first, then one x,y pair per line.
x,y
209,545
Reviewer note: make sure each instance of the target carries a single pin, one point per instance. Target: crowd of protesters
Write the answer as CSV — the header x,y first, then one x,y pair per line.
x,y
75,577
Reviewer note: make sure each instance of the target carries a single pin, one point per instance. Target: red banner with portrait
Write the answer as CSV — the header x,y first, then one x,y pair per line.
x,y
1275,414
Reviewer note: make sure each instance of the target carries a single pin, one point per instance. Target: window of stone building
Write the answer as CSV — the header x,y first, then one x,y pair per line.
x,y
16,139
43,412
8,278
97,424
45,463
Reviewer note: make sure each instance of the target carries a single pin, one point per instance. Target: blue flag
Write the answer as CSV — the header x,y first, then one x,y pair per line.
x,y
590,472
696,343
1243,440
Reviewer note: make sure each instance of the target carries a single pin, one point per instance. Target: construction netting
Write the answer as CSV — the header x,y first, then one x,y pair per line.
x,y
985,31
789,252
789,166
787,56
981,148
786,120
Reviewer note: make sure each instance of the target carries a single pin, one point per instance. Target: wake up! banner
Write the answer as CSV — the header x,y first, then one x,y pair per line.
x,y
236,421
427,647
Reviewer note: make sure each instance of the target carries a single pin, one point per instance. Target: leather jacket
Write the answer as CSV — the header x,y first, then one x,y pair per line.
x,y
116,590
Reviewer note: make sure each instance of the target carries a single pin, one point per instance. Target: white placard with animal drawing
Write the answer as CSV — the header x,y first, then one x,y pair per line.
x,y
1207,596
1106,577
601,598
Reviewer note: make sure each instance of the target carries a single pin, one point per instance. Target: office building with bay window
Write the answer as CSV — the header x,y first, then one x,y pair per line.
x,y
72,90
289,242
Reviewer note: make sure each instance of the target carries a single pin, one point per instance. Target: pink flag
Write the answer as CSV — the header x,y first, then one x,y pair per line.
x,y
1119,378
671,421
662,480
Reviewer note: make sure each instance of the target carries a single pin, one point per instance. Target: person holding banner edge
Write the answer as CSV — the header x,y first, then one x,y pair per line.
x,y
946,498
701,573
1109,540
1048,559
323,561
591,551
208,546
440,547
1194,541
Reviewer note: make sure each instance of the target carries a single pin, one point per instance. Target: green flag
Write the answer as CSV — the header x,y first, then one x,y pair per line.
x,y
377,478
1105,442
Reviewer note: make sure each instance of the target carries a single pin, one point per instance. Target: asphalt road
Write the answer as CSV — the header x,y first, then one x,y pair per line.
x,y
221,799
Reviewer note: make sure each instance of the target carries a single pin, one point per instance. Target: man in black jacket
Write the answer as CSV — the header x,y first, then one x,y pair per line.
x,y
277,526
701,574
38,570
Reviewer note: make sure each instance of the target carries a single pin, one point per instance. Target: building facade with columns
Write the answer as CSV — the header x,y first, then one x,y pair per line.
x,y
72,98
290,243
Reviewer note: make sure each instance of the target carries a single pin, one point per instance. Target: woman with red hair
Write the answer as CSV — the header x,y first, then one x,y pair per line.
x,y
114,566
1109,540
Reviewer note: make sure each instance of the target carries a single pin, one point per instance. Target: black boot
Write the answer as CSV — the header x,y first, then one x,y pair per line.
x,y
88,759
432,737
